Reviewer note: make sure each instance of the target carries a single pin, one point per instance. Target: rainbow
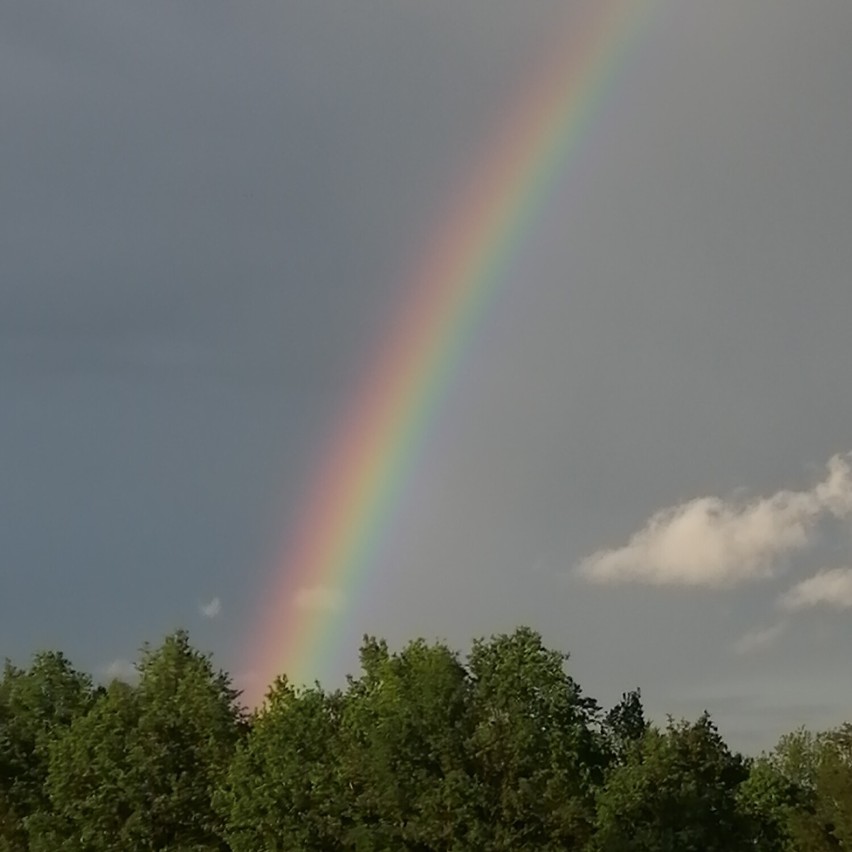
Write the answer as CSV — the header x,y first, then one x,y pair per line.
x,y
333,544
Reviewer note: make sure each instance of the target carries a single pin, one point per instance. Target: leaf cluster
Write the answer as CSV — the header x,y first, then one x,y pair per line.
x,y
422,750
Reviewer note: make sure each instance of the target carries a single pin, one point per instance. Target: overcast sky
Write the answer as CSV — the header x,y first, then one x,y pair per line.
x,y
207,210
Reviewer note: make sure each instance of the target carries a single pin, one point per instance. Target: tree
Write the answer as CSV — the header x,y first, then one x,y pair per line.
x,y
536,754
625,725
421,752
141,769
404,742
95,783
768,801
283,791
675,792
36,706
834,783
819,767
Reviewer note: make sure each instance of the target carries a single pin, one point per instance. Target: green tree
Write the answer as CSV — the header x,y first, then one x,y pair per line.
x,y
420,752
675,792
768,800
536,754
819,766
95,782
625,725
834,783
405,733
36,706
141,769
283,791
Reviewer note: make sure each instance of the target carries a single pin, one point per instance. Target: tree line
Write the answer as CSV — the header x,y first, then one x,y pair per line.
x,y
423,750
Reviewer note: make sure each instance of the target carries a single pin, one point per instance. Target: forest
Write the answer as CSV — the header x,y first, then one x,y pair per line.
x,y
425,749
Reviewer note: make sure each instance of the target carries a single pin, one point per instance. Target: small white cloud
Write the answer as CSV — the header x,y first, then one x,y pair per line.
x,y
121,669
716,543
759,639
211,609
246,676
320,598
832,588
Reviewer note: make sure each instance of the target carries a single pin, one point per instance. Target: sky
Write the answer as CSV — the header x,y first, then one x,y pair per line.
x,y
208,213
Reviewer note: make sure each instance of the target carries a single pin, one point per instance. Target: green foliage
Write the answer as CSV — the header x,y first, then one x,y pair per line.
x,y
36,706
536,755
625,725
767,800
283,791
819,768
403,750
421,752
676,791
139,771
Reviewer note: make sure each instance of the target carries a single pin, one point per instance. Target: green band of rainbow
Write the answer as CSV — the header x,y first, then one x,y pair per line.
x,y
370,460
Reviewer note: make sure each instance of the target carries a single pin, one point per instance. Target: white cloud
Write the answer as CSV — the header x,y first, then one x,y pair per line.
x,y
717,543
322,598
832,588
759,639
121,669
246,676
211,609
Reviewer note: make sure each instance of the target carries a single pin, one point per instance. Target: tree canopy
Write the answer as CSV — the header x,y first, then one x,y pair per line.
x,y
422,750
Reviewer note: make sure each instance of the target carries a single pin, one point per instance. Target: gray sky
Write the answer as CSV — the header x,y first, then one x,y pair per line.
x,y
206,213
